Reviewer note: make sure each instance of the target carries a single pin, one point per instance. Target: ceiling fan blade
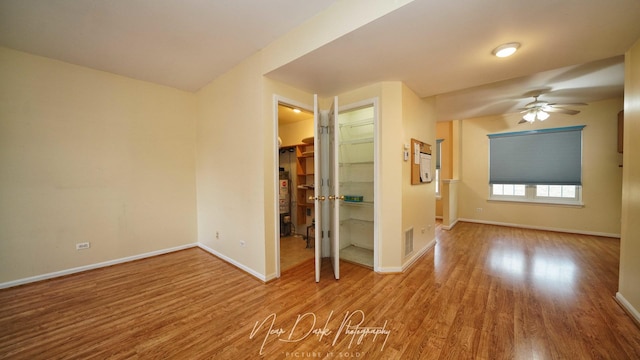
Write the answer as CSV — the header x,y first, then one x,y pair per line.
x,y
567,104
540,105
562,111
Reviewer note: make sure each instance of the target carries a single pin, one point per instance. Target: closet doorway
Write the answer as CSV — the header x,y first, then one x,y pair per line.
x,y
295,184
347,168
356,130
328,170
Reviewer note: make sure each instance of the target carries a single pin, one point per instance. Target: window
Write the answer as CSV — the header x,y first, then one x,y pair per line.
x,y
554,194
508,190
559,193
537,166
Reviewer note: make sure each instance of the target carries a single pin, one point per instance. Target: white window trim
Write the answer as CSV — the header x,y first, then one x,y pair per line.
x,y
531,198
438,181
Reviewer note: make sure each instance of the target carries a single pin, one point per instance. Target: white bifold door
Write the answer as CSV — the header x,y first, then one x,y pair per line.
x,y
333,186
344,167
326,188
317,198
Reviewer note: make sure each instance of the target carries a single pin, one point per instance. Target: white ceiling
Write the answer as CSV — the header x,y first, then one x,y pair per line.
x,y
571,49
444,47
179,43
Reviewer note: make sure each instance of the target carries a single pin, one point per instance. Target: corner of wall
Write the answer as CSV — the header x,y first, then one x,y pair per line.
x,y
629,287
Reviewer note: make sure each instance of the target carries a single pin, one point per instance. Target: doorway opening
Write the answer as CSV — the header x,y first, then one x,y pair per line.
x,y
357,169
295,184
327,172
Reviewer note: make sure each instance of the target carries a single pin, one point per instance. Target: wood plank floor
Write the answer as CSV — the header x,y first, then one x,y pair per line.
x,y
483,292
294,251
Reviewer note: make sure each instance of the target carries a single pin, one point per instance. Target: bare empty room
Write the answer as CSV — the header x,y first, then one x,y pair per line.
x,y
462,183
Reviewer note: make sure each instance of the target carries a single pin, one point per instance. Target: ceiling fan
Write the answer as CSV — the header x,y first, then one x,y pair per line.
x,y
539,110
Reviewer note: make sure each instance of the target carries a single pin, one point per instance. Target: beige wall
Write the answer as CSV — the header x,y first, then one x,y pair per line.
x,y
231,168
602,177
449,203
444,130
418,201
237,166
87,156
629,287
390,164
292,134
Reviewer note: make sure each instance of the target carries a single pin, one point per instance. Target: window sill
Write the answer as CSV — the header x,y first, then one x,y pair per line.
x,y
538,202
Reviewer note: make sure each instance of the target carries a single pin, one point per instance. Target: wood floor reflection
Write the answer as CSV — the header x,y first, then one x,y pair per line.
x,y
483,292
294,251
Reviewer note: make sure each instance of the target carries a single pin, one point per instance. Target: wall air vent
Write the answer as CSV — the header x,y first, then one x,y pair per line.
x,y
408,241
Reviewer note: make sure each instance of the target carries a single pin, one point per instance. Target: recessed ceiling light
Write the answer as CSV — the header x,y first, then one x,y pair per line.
x,y
505,50
296,110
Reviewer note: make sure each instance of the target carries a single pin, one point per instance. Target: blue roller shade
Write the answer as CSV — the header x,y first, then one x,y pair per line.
x,y
545,157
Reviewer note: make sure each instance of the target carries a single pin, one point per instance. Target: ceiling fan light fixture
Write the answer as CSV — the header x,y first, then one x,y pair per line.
x,y
540,110
542,115
505,50
535,114
530,116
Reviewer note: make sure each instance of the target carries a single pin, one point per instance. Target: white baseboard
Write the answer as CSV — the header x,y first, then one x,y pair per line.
x,y
92,266
235,263
570,231
410,262
450,226
628,307
390,270
418,254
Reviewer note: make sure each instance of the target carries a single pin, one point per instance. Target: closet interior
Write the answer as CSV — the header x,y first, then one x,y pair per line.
x,y
356,168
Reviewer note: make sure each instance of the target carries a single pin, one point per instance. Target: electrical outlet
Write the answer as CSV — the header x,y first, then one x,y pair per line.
x,y
429,226
217,235
423,230
243,244
479,210
83,246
